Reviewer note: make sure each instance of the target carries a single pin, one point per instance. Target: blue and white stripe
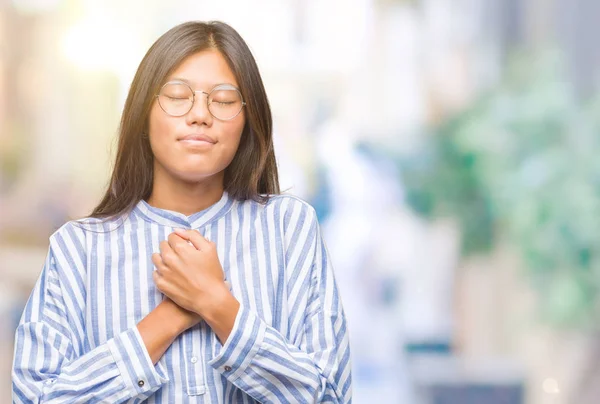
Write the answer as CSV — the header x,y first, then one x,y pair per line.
x,y
77,341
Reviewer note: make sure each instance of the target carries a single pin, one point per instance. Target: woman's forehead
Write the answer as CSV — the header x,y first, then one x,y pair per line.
x,y
204,69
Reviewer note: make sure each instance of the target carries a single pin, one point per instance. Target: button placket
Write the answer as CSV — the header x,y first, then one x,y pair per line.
x,y
194,368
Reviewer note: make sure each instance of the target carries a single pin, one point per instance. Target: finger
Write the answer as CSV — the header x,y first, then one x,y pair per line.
x,y
160,282
168,289
157,279
184,239
164,246
168,256
184,235
193,236
160,267
157,260
177,243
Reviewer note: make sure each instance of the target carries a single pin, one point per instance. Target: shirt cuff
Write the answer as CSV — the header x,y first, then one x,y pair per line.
x,y
243,343
134,363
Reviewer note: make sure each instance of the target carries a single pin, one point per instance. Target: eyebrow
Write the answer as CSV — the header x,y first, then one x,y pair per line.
x,y
191,84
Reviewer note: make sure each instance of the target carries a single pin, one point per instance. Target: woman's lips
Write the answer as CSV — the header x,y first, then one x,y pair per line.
x,y
197,140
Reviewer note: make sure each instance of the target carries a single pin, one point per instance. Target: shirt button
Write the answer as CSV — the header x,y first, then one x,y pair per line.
x,y
141,383
227,368
194,359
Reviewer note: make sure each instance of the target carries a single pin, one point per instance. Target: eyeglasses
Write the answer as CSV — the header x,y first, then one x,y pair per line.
x,y
224,101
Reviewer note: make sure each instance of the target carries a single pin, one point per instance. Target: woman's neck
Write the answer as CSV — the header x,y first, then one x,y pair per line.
x,y
186,198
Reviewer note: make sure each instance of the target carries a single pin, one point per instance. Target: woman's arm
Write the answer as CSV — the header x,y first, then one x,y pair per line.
x,y
308,364
162,325
51,362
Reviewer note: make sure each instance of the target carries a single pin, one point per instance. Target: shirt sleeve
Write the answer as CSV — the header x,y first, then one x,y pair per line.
x,y
310,365
53,362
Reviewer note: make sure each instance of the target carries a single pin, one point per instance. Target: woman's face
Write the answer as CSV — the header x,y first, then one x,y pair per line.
x,y
195,147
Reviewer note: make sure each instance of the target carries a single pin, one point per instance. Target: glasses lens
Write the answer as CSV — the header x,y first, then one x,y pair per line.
x,y
225,102
176,99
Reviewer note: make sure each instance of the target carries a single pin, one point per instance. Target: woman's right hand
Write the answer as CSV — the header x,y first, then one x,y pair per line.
x,y
162,325
183,318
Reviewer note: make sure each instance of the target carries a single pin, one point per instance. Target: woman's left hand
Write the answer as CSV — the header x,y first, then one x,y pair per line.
x,y
188,271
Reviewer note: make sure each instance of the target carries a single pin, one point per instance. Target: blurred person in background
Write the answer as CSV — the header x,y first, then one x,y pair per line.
x,y
136,302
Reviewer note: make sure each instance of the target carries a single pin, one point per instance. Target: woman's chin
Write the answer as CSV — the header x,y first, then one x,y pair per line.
x,y
195,176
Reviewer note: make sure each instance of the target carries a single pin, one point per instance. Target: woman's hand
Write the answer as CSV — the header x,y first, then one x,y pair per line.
x,y
162,325
180,317
188,271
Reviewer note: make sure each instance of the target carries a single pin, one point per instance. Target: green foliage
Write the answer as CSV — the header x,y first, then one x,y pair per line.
x,y
523,163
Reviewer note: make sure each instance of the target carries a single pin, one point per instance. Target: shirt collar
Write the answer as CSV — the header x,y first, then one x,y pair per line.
x,y
179,220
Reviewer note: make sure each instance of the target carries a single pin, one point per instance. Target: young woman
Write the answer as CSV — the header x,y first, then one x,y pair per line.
x,y
193,280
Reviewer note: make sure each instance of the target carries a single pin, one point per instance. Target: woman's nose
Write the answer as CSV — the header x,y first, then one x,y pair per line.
x,y
199,114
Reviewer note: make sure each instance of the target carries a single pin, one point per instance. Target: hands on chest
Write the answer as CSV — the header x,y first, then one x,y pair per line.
x,y
188,272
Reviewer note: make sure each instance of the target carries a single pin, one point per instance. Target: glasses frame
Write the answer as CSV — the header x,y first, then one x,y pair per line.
x,y
217,87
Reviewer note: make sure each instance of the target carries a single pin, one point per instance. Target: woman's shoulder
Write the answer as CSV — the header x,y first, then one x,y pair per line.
x,y
69,244
91,225
72,235
285,210
287,204
287,201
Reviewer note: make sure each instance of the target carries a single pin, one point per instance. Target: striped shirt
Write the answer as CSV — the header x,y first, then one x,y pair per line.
x,y
77,341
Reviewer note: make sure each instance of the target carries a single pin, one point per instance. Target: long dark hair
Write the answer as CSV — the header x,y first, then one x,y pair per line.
x,y
253,172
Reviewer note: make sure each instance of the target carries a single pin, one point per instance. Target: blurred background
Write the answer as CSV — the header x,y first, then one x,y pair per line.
x,y
449,147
